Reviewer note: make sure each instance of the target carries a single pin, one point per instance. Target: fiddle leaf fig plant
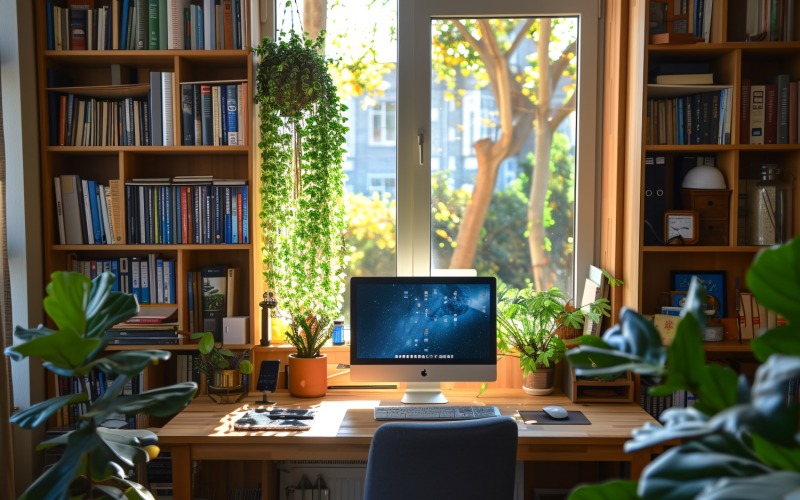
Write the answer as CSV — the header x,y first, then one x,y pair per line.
x,y
97,462
302,127
738,440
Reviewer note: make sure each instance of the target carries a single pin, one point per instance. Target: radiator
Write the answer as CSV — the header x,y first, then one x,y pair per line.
x,y
339,480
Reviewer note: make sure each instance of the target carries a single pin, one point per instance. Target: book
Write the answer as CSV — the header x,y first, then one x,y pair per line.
x,y
744,113
145,340
206,115
88,218
231,295
156,109
166,105
757,101
771,114
62,235
153,30
78,23
232,115
142,24
782,132
686,79
746,314
214,289
187,115
154,315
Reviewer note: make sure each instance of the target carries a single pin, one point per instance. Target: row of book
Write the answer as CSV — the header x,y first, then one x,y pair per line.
x,y
769,111
754,317
94,384
655,405
146,25
88,212
93,121
160,212
150,278
699,118
214,113
770,20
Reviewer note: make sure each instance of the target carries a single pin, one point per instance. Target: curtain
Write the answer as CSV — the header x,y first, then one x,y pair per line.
x,y
6,389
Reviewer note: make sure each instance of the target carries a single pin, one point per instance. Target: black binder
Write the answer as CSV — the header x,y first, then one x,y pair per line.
x,y
655,198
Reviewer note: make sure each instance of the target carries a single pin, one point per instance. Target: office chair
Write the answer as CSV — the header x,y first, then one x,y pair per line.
x,y
471,459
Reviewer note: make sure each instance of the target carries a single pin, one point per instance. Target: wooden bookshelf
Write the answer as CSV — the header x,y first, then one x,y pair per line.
x,y
647,267
125,73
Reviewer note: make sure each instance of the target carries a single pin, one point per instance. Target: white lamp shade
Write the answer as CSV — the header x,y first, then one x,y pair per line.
x,y
704,177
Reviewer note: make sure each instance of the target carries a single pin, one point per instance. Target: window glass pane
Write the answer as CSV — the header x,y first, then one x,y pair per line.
x,y
503,124
361,38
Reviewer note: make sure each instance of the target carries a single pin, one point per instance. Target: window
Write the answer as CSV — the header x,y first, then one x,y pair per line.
x,y
383,124
504,179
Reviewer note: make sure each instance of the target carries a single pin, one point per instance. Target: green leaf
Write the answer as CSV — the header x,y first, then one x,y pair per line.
x,y
686,470
777,484
67,299
780,295
38,414
781,340
206,343
129,363
777,456
56,480
161,401
611,490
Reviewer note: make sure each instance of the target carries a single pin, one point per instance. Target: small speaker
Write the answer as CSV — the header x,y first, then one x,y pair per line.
x,y
234,329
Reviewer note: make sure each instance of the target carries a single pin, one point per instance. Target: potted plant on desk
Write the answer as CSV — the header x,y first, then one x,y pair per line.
x,y
223,369
527,325
308,367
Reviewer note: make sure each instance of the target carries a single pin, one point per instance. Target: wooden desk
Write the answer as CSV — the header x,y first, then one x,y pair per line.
x,y
344,427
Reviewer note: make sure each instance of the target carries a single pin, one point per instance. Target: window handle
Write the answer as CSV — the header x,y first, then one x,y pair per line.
x,y
420,142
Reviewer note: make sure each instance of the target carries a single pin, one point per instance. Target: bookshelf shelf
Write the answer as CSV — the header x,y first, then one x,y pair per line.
x,y
733,63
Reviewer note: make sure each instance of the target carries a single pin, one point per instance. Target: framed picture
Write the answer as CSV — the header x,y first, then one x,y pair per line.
x,y
714,281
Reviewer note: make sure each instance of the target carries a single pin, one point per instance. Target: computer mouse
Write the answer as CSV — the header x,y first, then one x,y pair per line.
x,y
555,412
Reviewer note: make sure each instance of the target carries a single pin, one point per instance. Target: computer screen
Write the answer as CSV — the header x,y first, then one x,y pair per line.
x,y
423,330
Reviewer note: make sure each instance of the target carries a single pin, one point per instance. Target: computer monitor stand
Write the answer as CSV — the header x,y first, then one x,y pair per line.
x,y
424,393
265,400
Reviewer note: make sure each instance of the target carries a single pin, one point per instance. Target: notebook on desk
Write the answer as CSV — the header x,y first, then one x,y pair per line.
x,y
255,420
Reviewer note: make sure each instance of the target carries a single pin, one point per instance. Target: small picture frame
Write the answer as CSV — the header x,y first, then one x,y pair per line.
x,y
677,298
714,281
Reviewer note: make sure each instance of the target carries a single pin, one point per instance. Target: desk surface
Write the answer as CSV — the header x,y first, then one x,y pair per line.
x,y
344,427
346,416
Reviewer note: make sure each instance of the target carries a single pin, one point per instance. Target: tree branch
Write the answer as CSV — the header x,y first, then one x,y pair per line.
x,y
558,66
523,33
562,112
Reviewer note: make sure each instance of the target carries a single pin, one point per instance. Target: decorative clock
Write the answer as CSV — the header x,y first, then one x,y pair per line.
x,y
680,227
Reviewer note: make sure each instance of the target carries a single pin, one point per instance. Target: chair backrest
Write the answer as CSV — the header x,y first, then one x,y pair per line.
x,y
472,459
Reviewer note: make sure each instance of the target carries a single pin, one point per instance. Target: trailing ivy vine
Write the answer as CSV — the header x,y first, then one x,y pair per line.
x,y
303,131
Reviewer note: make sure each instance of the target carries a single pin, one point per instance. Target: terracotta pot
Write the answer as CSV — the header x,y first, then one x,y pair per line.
x,y
308,377
538,383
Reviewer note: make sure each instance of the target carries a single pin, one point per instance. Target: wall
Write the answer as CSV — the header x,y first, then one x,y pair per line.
x,y
17,56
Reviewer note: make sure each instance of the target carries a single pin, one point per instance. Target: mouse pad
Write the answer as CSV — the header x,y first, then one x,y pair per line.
x,y
537,417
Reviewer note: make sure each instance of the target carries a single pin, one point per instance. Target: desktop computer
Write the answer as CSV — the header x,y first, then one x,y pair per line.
x,y
423,331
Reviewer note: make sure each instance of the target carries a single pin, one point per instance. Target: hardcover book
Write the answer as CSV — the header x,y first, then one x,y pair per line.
x,y
214,289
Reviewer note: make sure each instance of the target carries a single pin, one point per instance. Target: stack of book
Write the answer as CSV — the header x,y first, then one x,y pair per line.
x,y
150,326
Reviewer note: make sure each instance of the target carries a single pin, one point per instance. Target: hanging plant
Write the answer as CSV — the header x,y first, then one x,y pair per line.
x,y
302,181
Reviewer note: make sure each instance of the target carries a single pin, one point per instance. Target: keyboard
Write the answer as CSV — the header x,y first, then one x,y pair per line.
x,y
434,412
